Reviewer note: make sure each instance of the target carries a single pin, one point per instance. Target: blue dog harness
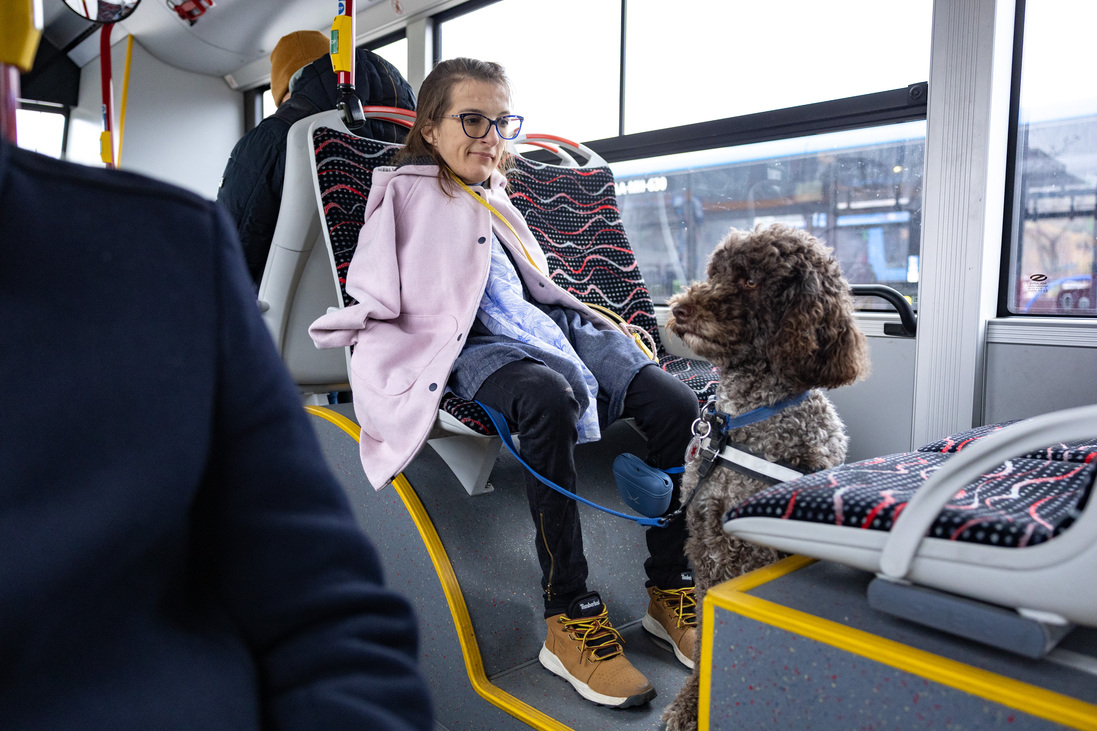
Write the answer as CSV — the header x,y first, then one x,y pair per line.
x,y
710,440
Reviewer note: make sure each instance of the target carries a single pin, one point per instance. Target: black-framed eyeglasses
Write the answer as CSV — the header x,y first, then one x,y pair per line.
x,y
476,125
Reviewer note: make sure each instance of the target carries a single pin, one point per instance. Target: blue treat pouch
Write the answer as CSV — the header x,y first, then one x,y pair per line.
x,y
644,488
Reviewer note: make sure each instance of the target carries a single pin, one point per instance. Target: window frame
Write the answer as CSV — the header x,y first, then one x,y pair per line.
x,y
63,109
397,35
1013,217
1012,223
867,110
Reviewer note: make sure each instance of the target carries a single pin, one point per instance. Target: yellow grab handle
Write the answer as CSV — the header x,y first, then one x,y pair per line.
x,y
106,153
342,44
20,29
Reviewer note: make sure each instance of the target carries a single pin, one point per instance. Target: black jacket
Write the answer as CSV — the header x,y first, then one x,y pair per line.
x,y
251,186
188,565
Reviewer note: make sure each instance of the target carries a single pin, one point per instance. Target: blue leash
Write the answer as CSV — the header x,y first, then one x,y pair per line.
x,y
500,424
754,415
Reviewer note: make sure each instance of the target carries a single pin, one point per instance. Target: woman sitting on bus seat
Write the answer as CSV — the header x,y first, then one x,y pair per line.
x,y
453,292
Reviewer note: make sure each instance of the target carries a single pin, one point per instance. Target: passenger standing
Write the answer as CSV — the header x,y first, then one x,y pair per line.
x,y
453,292
302,83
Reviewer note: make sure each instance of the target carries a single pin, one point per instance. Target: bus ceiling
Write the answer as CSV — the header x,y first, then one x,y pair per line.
x,y
211,37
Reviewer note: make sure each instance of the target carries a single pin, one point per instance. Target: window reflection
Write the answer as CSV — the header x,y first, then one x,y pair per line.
x,y
859,191
1052,259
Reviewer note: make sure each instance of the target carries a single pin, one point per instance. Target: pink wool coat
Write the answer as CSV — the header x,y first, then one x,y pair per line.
x,y
418,275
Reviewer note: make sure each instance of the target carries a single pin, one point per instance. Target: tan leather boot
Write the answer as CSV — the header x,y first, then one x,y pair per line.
x,y
584,649
672,617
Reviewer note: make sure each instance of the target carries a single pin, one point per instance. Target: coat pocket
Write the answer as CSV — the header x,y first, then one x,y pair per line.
x,y
391,354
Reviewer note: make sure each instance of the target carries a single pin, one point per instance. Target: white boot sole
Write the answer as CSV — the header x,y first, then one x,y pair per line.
x,y
554,666
652,625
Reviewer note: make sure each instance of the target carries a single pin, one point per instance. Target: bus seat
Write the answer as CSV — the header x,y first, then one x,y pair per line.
x,y
962,517
341,172
573,212
586,231
296,285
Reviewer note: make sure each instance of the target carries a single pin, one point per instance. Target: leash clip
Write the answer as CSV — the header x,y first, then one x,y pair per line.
x,y
709,437
711,447
696,428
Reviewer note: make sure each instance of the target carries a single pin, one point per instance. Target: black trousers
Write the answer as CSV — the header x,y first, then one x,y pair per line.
x,y
538,402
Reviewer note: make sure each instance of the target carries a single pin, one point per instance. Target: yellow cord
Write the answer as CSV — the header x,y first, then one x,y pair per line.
x,y
125,94
498,215
632,331
649,352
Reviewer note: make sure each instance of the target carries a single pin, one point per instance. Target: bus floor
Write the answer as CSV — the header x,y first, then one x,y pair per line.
x,y
469,568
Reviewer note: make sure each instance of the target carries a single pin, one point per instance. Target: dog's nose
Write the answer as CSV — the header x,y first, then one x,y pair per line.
x,y
681,311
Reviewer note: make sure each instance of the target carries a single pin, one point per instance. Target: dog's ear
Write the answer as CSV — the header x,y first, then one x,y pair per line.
x,y
817,343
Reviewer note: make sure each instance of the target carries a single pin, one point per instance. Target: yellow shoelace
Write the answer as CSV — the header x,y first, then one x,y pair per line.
x,y
596,632
683,602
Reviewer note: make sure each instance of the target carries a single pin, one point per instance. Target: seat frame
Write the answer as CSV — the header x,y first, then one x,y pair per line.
x,y
295,289
1039,581
300,283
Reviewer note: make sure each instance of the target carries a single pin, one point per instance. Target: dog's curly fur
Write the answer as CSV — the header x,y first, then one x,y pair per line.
x,y
776,316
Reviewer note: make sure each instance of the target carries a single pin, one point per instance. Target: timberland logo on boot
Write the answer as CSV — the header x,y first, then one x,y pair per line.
x,y
687,576
590,605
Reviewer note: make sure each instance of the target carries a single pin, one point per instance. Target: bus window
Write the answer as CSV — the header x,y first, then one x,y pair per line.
x,y
688,62
41,131
1053,253
563,60
269,107
860,191
395,52
711,59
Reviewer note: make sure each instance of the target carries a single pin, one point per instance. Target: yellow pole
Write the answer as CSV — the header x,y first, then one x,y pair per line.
x,y
125,90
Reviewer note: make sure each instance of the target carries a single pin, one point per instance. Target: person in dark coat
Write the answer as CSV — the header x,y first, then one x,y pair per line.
x,y
302,83
174,552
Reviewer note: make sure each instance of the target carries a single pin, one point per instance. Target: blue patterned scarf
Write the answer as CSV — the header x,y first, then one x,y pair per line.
x,y
505,311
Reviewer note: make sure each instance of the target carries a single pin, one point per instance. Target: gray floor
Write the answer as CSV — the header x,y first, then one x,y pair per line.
x,y
765,676
837,593
489,541
761,676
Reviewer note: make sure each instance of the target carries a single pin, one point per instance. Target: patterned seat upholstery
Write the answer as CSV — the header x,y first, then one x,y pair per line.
x,y
344,167
572,212
1025,501
574,215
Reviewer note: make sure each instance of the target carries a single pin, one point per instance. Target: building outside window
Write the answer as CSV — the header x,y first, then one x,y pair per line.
x,y
1052,260
699,61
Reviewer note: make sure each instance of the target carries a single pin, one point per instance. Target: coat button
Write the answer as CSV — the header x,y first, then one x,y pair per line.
x,y
481,240
433,387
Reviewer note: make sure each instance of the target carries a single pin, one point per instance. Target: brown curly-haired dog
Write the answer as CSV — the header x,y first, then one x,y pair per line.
x,y
776,316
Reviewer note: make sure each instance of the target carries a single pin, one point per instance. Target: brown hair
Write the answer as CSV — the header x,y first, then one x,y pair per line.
x,y
434,98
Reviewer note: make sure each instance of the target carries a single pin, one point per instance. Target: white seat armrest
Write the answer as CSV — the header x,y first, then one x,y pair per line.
x,y
964,467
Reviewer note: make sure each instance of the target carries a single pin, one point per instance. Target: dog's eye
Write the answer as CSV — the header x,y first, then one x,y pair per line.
x,y
750,283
